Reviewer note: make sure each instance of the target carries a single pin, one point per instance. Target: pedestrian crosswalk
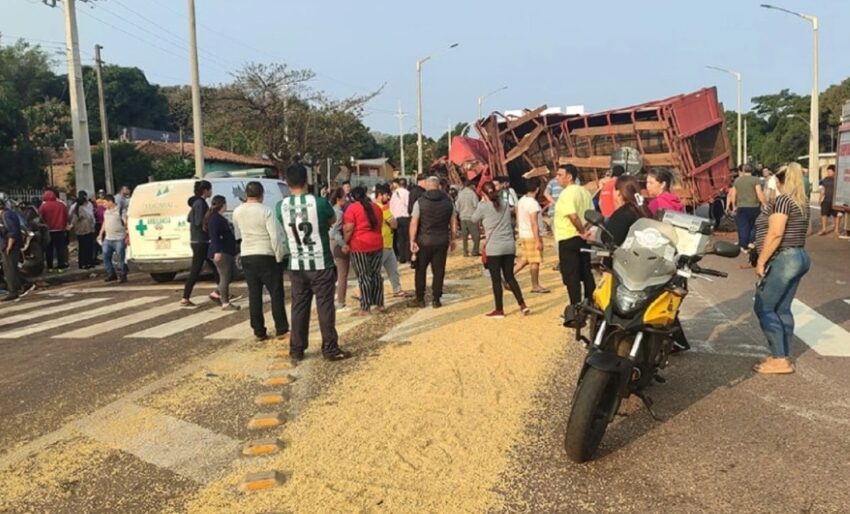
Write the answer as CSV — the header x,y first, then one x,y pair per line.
x,y
145,313
135,318
47,312
77,316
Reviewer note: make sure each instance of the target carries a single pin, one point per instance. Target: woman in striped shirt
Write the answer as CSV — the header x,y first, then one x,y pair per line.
x,y
782,261
363,239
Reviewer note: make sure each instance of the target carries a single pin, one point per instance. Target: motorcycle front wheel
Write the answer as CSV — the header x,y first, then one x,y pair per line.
x,y
594,401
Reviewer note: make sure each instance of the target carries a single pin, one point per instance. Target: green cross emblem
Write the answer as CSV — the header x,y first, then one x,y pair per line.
x,y
141,227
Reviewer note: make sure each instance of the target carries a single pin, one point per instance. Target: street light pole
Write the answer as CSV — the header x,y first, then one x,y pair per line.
x,y
814,113
484,97
400,115
419,64
737,76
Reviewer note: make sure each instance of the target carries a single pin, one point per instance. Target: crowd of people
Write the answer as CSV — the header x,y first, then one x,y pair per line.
x,y
97,224
320,239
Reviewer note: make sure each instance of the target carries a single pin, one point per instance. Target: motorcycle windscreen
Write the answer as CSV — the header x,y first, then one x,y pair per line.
x,y
647,257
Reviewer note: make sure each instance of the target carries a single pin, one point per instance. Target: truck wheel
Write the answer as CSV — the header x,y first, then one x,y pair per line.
x,y
163,277
594,400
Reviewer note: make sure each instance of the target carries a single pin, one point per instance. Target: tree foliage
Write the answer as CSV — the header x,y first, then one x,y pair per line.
x,y
25,81
130,100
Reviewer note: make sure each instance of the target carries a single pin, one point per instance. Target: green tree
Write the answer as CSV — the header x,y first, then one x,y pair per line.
x,y
25,80
129,166
173,167
131,100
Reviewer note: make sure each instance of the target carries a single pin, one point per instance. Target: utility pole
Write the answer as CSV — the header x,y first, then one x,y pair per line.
x,y
746,157
104,124
83,174
197,120
400,115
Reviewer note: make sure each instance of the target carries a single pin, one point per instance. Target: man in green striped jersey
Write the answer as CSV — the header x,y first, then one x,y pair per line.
x,y
306,220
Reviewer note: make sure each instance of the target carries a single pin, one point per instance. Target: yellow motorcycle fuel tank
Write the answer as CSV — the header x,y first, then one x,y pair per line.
x,y
662,311
603,292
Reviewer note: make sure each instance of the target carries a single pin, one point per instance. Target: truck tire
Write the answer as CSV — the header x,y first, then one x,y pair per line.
x,y
163,277
594,400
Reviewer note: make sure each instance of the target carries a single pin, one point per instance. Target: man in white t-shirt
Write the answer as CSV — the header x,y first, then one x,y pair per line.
x,y
530,241
771,187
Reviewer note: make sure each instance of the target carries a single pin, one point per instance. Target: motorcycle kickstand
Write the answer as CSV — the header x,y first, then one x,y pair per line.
x,y
647,402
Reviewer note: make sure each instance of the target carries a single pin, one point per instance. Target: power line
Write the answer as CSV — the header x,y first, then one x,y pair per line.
x,y
259,50
181,58
174,37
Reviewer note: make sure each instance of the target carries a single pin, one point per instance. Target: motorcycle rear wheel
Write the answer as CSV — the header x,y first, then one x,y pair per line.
x,y
593,403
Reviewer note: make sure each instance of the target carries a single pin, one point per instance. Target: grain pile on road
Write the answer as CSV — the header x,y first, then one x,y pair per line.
x,y
426,423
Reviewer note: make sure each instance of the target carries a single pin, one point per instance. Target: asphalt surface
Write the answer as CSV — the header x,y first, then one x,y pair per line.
x,y
729,441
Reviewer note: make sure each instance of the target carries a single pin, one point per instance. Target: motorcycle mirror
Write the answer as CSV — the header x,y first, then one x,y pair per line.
x,y
726,249
593,217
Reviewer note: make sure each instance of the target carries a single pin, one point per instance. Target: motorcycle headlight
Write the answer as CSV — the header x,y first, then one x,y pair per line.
x,y
627,301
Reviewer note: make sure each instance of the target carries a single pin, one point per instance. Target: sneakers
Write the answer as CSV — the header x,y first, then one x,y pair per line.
x,y
436,303
27,290
496,314
416,304
122,279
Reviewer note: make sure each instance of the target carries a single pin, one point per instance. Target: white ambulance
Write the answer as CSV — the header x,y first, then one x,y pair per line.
x,y
158,226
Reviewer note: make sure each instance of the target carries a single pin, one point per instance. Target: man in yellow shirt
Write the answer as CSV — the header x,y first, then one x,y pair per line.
x,y
569,228
389,223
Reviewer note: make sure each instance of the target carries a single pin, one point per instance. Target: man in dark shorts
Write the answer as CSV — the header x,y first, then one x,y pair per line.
x,y
827,191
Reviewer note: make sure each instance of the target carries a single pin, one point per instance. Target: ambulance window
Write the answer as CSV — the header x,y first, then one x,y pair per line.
x,y
284,189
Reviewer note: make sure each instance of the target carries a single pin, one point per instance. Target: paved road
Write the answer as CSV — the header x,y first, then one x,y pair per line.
x,y
117,401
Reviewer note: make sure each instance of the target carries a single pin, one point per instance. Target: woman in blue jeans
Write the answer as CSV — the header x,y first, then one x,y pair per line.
x,y
782,261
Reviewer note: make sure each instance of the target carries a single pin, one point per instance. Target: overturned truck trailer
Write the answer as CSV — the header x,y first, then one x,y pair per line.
x,y
684,133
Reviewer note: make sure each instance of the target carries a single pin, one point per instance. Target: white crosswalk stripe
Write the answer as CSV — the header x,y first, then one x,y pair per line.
x,y
124,321
44,313
179,325
80,315
26,305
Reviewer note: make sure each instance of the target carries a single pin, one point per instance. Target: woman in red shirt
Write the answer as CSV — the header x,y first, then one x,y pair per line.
x,y
363,240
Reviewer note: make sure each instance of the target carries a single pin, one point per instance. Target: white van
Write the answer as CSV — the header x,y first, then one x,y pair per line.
x,y
158,226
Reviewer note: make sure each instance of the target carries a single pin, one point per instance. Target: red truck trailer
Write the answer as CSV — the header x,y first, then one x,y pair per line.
x,y
684,133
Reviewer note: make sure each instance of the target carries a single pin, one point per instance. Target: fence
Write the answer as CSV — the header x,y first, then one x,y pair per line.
x,y
25,195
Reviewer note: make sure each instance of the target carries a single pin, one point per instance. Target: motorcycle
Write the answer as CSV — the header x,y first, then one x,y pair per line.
x,y
633,318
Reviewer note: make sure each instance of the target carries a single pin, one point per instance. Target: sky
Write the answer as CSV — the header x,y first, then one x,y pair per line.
x,y
597,53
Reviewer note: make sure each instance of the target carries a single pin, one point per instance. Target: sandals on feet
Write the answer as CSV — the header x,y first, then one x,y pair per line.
x,y
774,366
